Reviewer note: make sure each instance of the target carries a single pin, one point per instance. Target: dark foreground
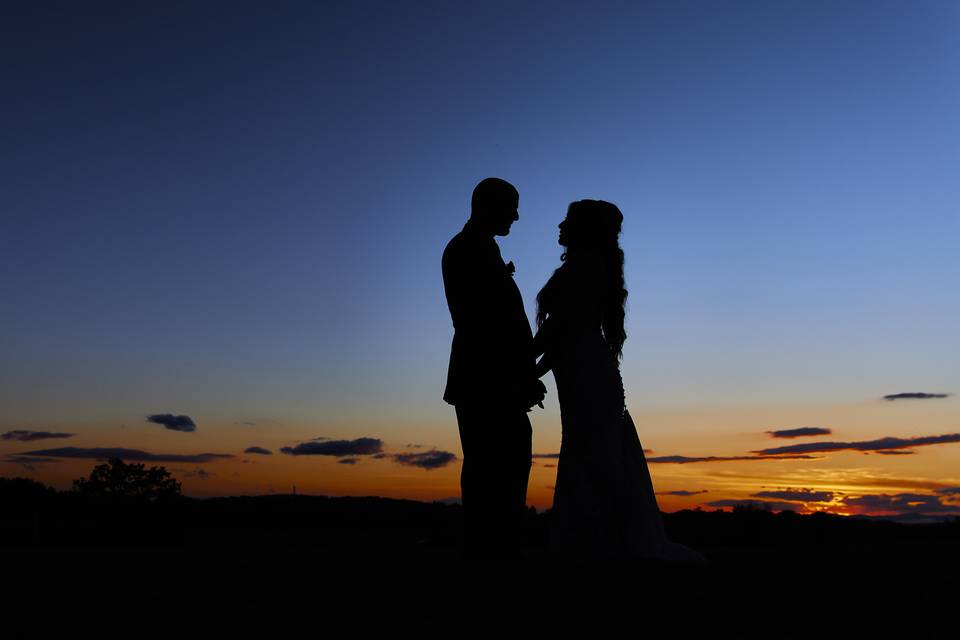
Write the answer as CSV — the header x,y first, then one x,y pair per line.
x,y
771,575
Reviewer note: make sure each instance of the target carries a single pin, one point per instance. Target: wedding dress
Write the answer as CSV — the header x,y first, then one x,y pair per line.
x,y
604,504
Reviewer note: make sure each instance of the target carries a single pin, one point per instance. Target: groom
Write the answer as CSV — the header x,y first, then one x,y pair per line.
x,y
491,380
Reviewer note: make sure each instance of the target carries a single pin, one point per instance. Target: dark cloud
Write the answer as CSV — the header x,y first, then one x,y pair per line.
x,y
22,435
338,448
864,445
902,503
172,422
259,450
549,466
415,446
432,459
681,492
915,396
103,453
688,459
348,460
800,432
380,456
895,452
949,490
772,505
800,495
203,474
546,455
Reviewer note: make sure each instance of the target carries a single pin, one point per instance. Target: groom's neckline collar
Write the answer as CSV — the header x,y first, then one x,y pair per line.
x,y
473,228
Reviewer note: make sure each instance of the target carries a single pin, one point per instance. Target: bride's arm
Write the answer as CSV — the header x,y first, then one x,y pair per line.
x,y
540,347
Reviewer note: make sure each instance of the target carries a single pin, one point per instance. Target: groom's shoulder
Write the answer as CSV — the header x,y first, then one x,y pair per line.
x,y
461,243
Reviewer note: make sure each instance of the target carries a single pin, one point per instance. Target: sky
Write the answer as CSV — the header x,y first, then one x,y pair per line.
x,y
222,226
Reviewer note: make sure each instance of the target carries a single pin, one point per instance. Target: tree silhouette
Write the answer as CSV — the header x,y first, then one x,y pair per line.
x,y
118,479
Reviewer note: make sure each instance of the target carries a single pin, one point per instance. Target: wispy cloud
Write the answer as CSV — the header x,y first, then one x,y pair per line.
x,y
546,455
864,445
348,460
103,453
433,459
172,422
23,435
337,448
799,495
690,459
773,505
681,492
258,450
901,503
799,432
915,396
21,459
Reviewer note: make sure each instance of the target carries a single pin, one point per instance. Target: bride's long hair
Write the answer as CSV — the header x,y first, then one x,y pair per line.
x,y
592,256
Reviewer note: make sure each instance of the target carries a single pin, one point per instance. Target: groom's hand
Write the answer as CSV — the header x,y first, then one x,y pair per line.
x,y
537,393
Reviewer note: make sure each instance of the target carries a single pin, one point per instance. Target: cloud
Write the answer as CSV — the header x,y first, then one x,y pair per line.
x,y
19,459
902,503
380,456
203,474
415,446
681,492
348,460
27,462
799,432
22,435
546,455
172,422
689,459
949,491
338,448
549,466
915,396
895,452
432,459
258,450
864,445
246,422
102,453
772,505
800,495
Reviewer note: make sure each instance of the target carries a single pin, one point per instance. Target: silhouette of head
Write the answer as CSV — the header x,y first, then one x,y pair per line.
x,y
494,205
590,225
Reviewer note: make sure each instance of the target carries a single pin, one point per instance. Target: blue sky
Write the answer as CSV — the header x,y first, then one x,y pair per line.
x,y
237,210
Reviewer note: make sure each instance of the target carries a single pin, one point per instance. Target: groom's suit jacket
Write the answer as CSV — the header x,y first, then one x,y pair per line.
x,y
491,360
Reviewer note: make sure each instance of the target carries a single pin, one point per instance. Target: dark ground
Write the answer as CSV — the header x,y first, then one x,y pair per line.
x,y
771,575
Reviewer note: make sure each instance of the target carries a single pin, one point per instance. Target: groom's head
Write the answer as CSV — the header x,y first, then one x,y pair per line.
x,y
494,205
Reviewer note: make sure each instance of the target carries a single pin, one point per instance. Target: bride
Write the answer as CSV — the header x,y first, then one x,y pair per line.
x,y
604,503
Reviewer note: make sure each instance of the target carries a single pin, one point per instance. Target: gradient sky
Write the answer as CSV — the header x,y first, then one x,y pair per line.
x,y
235,212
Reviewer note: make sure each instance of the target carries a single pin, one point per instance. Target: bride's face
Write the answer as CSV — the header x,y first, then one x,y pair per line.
x,y
563,232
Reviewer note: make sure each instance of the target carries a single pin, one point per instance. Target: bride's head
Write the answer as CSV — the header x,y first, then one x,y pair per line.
x,y
593,257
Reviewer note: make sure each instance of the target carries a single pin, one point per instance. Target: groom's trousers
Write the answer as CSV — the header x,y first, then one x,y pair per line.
x,y
497,455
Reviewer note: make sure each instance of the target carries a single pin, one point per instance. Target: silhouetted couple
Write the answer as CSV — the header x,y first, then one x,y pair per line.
x,y
604,504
